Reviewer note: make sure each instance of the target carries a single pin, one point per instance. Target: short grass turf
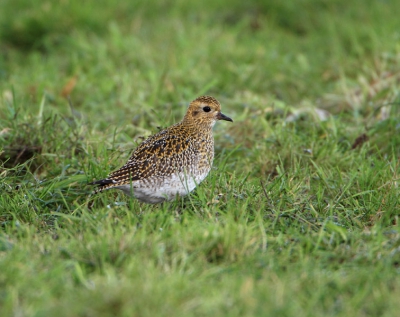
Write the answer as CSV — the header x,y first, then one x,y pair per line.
x,y
299,216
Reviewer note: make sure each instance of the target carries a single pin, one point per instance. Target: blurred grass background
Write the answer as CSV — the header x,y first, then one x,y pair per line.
x,y
299,216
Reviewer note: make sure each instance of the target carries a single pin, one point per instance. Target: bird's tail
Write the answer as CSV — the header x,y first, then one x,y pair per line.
x,y
102,185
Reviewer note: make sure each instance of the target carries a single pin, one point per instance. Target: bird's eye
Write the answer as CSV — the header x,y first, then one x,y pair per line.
x,y
207,109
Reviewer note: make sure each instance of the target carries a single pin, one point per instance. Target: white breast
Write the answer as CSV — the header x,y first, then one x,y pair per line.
x,y
158,190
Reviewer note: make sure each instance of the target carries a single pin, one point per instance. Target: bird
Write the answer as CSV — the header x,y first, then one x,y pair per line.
x,y
172,162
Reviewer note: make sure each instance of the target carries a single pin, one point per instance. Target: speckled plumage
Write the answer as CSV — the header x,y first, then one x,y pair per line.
x,y
172,162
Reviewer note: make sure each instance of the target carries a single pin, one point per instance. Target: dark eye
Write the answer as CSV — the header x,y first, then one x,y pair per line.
x,y
207,109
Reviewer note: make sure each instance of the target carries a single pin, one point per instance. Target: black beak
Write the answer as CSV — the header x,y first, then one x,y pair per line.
x,y
221,116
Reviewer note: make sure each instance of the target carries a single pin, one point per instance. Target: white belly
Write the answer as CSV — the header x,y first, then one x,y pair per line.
x,y
158,190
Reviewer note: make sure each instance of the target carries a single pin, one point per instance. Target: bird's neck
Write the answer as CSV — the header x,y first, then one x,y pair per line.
x,y
196,127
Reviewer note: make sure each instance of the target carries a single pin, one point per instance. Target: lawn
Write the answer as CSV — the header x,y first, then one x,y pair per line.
x,y
300,214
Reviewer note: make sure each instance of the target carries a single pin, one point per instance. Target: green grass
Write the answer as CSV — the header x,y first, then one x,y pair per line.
x,y
299,217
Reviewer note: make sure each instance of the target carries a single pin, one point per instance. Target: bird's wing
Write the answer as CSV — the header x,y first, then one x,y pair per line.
x,y
160,155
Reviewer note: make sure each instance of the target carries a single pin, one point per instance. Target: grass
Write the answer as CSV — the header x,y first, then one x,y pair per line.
x,y
299,217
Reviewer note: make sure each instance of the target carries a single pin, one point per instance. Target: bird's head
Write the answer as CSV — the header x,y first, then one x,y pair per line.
x,y
205,111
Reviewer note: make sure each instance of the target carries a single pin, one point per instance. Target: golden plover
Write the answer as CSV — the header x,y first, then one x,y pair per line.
x,y
172,162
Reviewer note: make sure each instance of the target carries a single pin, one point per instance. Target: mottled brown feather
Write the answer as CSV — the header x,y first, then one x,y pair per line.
x,y
185,146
